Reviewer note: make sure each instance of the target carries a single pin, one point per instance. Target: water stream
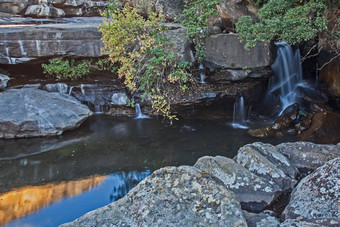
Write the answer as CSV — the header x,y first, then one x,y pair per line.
x,y
287,75
61,178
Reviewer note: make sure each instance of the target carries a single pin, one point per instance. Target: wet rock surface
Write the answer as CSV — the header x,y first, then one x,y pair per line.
x,y
324,129
173,196
253,192
30,112
317,195
264,219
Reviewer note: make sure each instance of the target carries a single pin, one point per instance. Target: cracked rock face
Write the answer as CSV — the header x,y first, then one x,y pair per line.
x,y
171,196
264,160
30,112
254,193
317,195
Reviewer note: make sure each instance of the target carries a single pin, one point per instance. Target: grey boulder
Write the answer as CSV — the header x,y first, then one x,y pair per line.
x,y
171,196
253,192
3,81
317,195
31,112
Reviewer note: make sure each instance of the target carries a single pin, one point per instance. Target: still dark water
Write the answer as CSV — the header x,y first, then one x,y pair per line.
x,y
50,181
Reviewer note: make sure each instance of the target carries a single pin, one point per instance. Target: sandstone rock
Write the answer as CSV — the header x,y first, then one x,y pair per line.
x,y
225,50
310,95
263,132
3,81
317,195
181,45
324,129
316,222
253,192
24,43
31,112
306,155
234,9
171,196
44,10
330,75
265,161
263,219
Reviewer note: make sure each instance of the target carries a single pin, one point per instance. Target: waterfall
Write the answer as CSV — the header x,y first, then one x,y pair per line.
x,y
70,90
202,74
240,114
139,114
287,74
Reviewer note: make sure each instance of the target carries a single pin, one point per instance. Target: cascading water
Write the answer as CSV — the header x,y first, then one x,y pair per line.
x,y
287,75
139,114
202,74
239,114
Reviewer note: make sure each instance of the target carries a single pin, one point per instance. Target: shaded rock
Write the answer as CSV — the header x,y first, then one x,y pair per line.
x,y
225,50
265,161
170,9
310,95
317,195
234,9
253,192
317,222
306,155
24,43
264,219
330,75
181,45
324,129
44,10
58,87
171,196
30,112
316,107
3,81
13,6
285,120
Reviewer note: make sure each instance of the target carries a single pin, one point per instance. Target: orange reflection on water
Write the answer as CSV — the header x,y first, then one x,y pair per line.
x,y
22,201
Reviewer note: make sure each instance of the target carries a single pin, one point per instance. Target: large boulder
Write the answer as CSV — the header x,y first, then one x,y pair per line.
x,y
14,6
226,51
24,43
265,161
309,156
317,195
264,219
316,222
253,192
171,196
324,129
30,112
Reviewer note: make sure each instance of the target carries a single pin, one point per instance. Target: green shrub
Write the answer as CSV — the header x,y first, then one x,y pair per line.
x,y
65,69
140,48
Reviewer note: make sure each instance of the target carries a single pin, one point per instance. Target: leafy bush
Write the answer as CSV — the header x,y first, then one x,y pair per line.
x,y
65,69
140,48
293,21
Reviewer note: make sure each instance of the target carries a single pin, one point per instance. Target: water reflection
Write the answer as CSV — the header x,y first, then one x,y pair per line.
x,y
124,150
22,201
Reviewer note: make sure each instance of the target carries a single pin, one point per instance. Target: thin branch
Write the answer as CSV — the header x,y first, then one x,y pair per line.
x,y
338,55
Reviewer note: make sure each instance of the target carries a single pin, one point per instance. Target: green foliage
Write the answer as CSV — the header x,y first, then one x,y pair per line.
x,y
70,69
194,17
140,48
293,21
65,69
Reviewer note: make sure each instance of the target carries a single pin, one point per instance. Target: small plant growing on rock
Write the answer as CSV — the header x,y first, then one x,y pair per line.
x,y
65,69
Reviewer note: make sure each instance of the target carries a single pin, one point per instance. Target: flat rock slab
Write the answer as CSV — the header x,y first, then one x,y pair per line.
x,y
31,112
317,195
254,192
171,196
306,155
265,161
